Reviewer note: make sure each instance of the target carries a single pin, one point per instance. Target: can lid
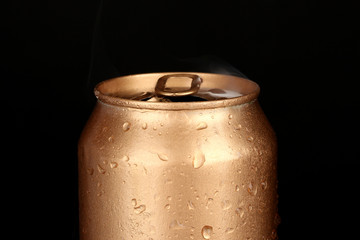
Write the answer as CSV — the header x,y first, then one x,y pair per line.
x,y
178,90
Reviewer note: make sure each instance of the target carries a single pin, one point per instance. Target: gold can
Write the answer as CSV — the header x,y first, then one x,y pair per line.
x,y
177,156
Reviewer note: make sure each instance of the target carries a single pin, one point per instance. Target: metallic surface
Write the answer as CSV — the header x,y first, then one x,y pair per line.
x,y
182,170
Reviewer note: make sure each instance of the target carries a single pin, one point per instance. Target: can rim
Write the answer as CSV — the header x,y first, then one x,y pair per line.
x,y
124,102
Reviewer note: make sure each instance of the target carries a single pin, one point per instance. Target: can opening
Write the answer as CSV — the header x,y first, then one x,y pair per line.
x,y
176,90
151,97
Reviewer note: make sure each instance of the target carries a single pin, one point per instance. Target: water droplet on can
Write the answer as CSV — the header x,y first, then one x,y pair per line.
x,y
240,212
206,231
176,225
126,126
133,202
230,116
229,230
198,160
100,169
201,126
226,204
190,205
264,185
208,202
144,126
252,189
274,235
238,127
163,157
237,188
139,209
125,158
167,206
113,164
90,171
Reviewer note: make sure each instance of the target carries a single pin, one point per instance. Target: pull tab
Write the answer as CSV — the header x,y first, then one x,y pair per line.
x,y
160,89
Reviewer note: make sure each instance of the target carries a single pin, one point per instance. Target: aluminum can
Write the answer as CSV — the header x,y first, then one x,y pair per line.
x,y
177,156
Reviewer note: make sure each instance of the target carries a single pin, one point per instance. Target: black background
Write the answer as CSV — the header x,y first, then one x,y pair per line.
x,y
303,54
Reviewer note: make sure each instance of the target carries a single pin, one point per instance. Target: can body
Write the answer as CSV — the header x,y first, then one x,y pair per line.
x,y
205,173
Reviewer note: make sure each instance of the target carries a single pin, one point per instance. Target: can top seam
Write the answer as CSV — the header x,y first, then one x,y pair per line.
x,y
218,103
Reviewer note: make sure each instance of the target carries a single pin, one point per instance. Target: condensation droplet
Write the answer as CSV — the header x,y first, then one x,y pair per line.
x,y
208,202
198,160
163,157
274,235
252,189
250,139
226,204
230,116
90,171
167,206
206,231
176,225
126,126
264,185
100,169
169,198
240,212
113,164
140,209
125,158
144,126
237,188
133,202
229,230
111,139
238,127
190,205
201,126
